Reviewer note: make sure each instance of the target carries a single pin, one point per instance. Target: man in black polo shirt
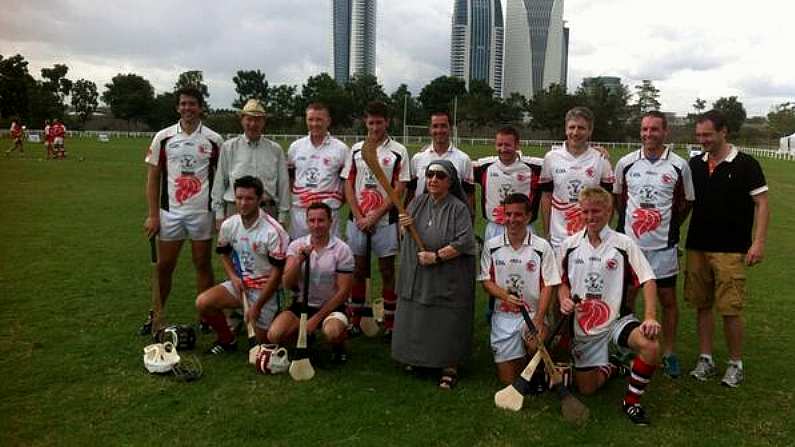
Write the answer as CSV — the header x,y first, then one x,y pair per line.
x,y
731,196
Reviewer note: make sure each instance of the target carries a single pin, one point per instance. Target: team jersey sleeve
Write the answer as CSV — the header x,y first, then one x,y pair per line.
x,y
221,180
606,173
756,179
346,168
405,166
550,271
639,263
345,260
545,179
485,263
291,155
468,173
687,183
276,249
153,152
224,243
283,185
618,184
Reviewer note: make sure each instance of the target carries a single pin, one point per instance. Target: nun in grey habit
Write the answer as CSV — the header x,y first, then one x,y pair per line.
x,y
436,287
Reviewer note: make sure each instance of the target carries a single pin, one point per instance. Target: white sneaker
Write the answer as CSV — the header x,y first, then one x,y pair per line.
x,y
704,370
733,377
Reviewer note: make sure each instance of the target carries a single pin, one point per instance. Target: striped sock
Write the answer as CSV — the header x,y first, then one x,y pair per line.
x,y
220,326
637,381
607,371
356,303
390,304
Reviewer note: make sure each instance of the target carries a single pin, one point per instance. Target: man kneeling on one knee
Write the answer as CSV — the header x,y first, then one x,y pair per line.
x,y
598,265
330,281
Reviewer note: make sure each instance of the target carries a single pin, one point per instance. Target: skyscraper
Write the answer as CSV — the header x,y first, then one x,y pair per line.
x,y
537,26
353,38
477,42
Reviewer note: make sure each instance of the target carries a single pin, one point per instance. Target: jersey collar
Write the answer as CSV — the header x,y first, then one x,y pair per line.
x,y
729,158
197,130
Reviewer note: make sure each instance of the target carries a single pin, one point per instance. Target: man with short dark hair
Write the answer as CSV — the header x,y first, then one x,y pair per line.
x,y
181,164
727,232
315,163
654,194
373,216
253,247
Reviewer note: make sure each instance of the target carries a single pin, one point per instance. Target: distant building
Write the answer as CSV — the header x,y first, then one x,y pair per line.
x,y
476,44
613,83
353,38
536,46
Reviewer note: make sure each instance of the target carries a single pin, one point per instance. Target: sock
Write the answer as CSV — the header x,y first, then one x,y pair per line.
x,y
390,304
608,371
737,363
638,380
356,302
221,328
708,357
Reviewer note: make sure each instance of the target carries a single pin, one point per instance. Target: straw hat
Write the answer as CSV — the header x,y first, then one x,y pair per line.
x,y
253,108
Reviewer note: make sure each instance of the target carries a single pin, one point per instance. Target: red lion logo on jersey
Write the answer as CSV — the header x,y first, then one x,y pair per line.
x,y
589,172
574,220
667,179
531,266
612,264
187,187
645,220
593,313
369,200
498,213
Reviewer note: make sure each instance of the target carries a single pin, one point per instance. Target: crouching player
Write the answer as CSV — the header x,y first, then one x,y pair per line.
x,y
519,269
330,280
252,246
599,265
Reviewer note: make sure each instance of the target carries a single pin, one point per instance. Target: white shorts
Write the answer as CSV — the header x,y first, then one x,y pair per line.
x,y
384,241
58,142
268,310
594,350
664,263
298,226
493,230
506,337
196,227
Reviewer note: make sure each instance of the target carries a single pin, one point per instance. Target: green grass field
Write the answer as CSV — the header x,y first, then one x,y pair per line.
x,y
74,281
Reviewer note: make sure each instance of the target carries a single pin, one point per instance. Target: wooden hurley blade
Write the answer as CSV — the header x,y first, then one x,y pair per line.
x,y
367,323
512,396
370,156
573,411
157,303
252,339
301,368
549,365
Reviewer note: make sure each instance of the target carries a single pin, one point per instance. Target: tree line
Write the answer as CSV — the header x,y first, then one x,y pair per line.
x,y
132,98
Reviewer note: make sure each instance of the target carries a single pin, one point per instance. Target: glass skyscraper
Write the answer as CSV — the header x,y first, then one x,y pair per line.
x,y
353,38
476,44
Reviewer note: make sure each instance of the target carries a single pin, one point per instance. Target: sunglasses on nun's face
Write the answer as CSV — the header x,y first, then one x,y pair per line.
x,y
438,174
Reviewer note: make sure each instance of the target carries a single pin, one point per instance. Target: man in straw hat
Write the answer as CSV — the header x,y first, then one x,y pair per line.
x,y
252,154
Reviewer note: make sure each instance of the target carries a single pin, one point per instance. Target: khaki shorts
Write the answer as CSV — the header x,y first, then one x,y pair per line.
x,y
715,279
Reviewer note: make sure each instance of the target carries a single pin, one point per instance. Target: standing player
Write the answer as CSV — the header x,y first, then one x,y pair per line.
x,y
654,194
731,206
252,247
330,280
441,148
16,132
598,265
252,154
566,172
507,173
48,139
373,214
315,163
520,269
58,133
182,160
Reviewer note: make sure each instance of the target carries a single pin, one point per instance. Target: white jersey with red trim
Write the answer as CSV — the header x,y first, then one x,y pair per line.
x,y
565,175
651,194
498,181
324,267
16,130
459,159
317,171
525,271
394,160
57,130
255,249
47,134
187,167
601,277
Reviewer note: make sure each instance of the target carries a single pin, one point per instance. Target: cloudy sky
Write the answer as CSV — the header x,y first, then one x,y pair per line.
x,y
689,48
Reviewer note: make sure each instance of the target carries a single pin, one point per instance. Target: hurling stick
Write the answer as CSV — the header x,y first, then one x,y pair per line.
x,y
512,396
572,409
253,348
157,303
549,365
300,367
370,156
367,323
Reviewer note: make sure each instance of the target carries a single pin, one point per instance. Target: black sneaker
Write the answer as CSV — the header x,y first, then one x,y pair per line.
x,y
204,328
146,328
636,414
354,331
622,370
221,348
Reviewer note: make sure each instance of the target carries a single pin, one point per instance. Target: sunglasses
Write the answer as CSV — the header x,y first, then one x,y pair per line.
x,y
438,174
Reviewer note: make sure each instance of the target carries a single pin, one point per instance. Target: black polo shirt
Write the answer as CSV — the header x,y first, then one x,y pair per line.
x,y
723,213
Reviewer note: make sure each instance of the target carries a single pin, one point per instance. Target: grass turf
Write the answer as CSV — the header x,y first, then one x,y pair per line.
x,y
74,281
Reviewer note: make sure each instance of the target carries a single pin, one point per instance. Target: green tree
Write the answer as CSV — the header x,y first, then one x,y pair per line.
x,y
700,105
195,79
323,88
548,108
16,85
479,106
282,107
781,119
734,111
250,84
611,110
163,111
55,81
648,97
513,108
402,97
363,88
84,99
129,96
439,93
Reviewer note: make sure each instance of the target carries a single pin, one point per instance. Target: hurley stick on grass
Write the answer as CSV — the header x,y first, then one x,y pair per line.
x,y
157,303
300,367
253,347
